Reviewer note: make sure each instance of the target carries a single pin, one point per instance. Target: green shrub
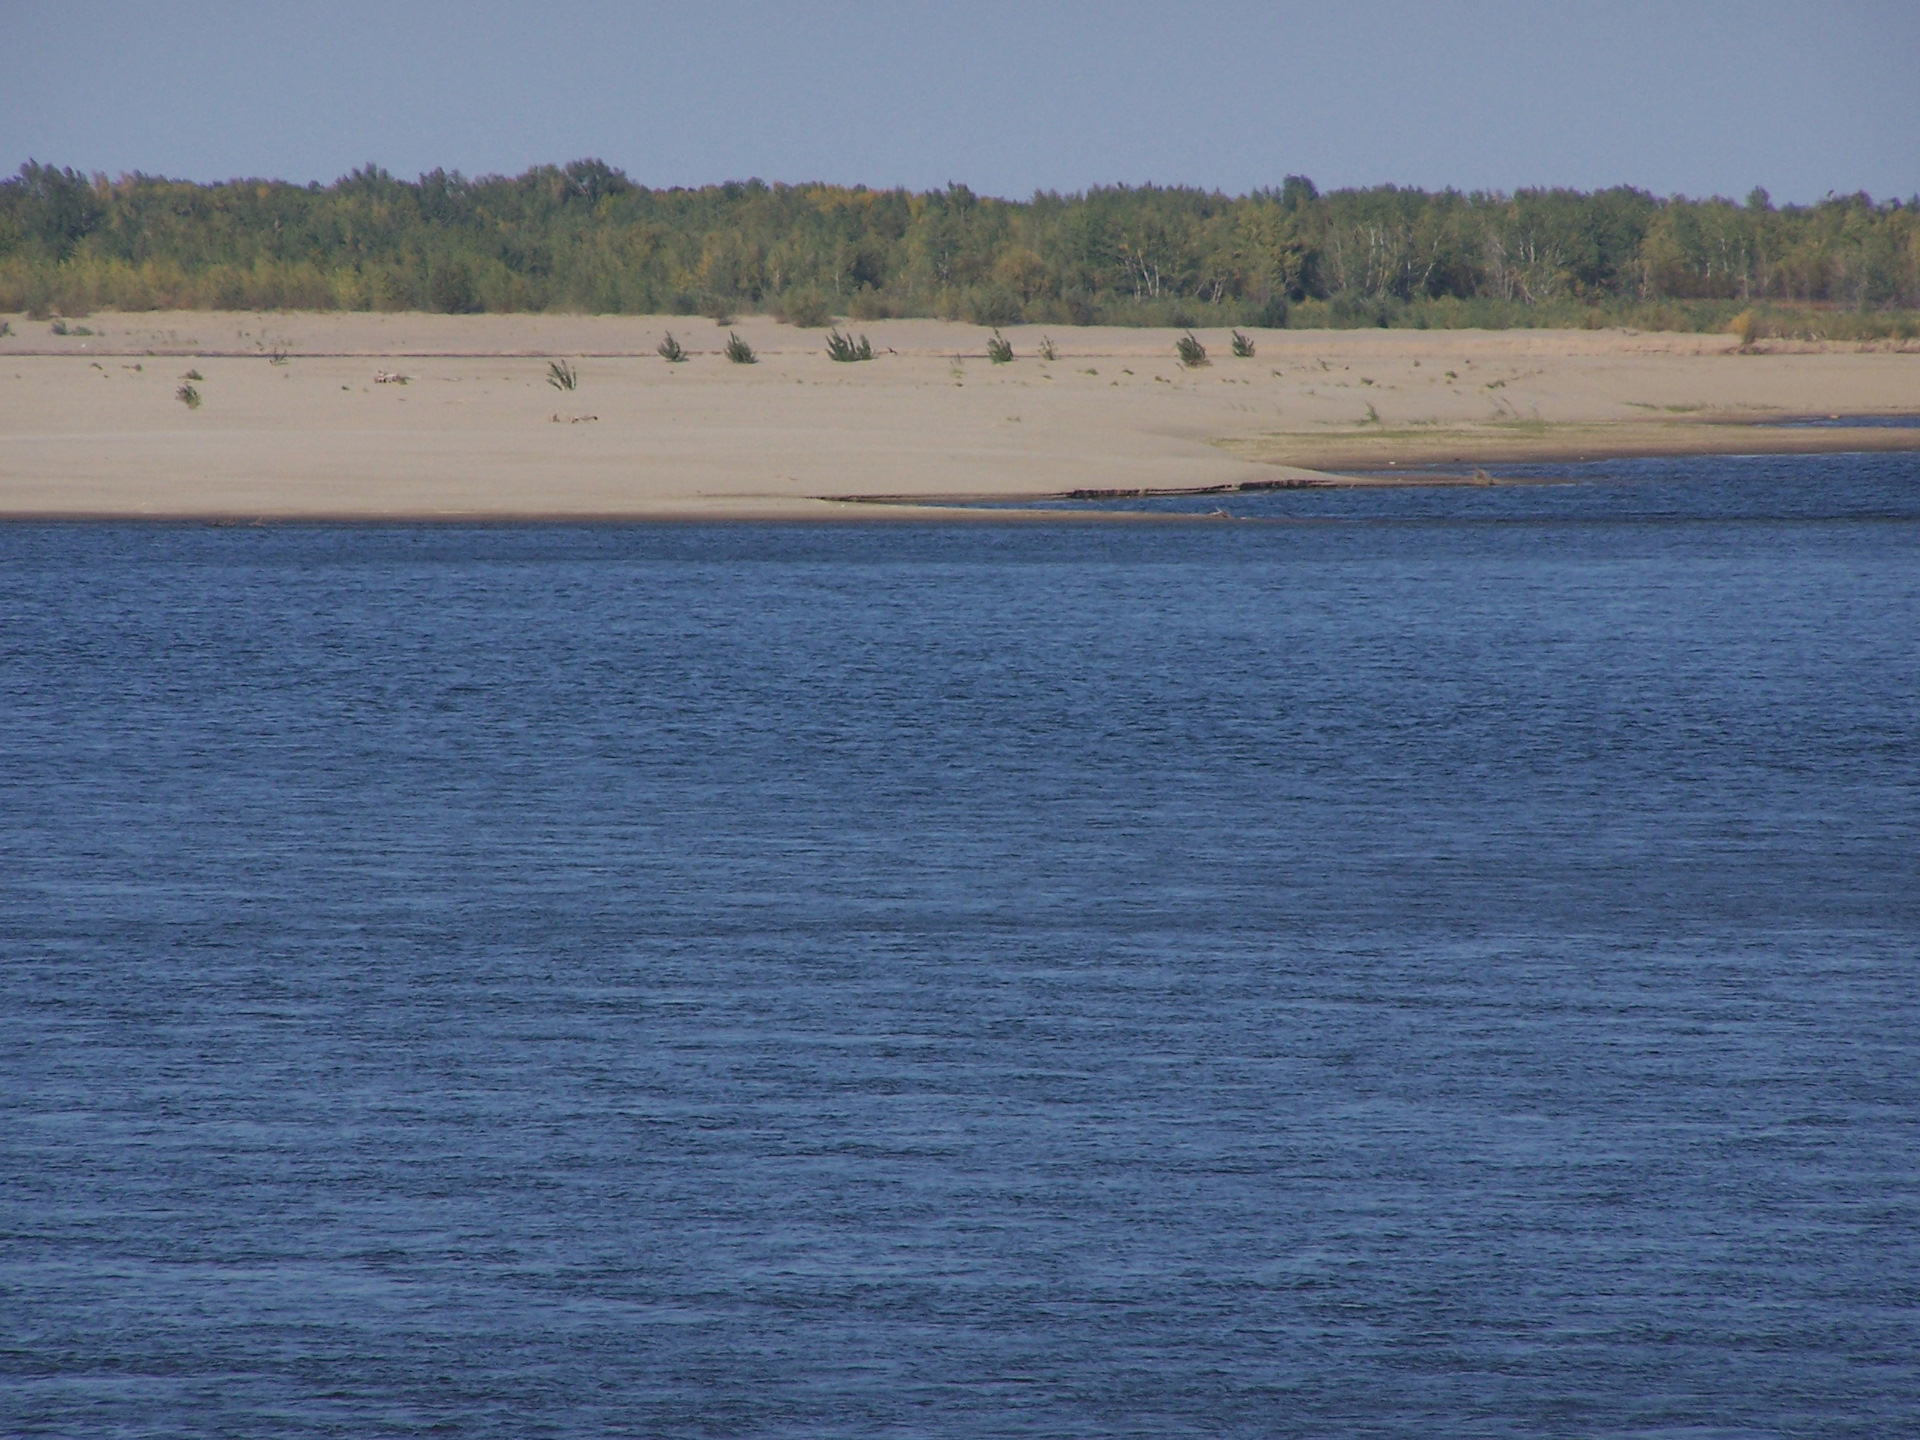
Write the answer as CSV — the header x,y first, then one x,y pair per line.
x,y
739,352
187,396
1192,353
451,289
670,350
1272,315
59,327
843,348
806,309
999,349
992,305
1358,312
561,375
1081,307
193,375
1046,348
1242,345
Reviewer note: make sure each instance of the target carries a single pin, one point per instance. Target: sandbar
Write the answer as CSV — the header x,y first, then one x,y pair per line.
x,y
294,422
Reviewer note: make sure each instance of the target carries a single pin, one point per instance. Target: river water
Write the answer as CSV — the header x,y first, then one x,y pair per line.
x,y
1411,963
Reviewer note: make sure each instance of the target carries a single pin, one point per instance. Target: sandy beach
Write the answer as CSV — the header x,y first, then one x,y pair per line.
x,y
295,424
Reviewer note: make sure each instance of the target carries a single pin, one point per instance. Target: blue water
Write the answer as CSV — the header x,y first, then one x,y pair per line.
x,y
1874,422
1450,966
1661,490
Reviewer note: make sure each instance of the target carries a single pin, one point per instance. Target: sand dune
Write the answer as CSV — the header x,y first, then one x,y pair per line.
x,y
90,426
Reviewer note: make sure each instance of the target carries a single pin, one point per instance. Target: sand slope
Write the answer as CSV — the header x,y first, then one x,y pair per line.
x,y
89,426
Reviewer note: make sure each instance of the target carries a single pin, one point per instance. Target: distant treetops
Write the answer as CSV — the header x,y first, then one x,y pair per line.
x,y
585,237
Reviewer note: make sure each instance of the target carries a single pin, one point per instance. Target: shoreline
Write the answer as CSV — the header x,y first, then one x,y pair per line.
x,y
1355,462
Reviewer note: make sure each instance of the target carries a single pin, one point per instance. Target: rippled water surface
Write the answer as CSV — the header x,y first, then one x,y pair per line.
x,y
1447,966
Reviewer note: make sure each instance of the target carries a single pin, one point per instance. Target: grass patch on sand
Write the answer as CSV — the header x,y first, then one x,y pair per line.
x,y
845,349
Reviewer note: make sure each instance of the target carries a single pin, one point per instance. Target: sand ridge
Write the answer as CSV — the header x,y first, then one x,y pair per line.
x,y
293,423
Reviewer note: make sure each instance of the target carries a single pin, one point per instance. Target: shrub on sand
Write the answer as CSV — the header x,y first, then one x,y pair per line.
x,y
561,375
999,349
670,350
1273,314
1243,345
187,395
807,309
1192,353
739,352
844,348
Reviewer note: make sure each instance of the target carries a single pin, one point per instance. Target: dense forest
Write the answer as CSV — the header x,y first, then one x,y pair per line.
x,y
585,237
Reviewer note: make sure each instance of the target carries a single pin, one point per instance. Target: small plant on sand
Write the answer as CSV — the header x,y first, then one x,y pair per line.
x,y
193,375
561,375
671,350
58,327
845,348
739,352
6,327
187,395
1243,345
999,349
1192,353
1046,348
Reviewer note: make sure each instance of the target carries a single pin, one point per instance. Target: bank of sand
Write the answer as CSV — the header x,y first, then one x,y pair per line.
x,y
90,426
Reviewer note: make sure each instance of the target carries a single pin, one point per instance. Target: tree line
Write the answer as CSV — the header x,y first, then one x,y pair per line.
x,y
584,237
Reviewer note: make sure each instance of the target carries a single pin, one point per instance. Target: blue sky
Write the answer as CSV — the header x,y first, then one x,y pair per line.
x,y
1700,98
